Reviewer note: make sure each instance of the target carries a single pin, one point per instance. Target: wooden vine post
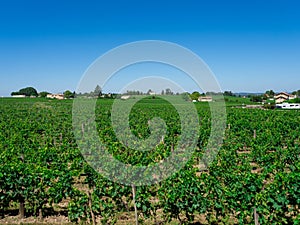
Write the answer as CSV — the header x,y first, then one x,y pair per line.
x,y
255,217
91,208
134,204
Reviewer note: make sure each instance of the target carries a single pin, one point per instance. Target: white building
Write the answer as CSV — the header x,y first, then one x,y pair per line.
x,y
288,106
205,99
18,96
56,96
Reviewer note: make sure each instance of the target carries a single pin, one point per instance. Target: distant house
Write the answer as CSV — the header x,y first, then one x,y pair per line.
x,y
125,97
283,96
205,99
18,96
56,96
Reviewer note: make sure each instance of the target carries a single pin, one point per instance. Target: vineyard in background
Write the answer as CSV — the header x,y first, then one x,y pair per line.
x,y
255,177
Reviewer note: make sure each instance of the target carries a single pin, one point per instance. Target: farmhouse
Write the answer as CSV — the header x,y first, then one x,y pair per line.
x,y
56,96
205,99
283,96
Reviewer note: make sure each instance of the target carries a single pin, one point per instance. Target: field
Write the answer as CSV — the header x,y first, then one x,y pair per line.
x,y
255,176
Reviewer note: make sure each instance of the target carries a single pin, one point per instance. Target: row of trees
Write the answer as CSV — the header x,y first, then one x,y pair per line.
x,y
195,95
28,91
167,91
32,92
296,93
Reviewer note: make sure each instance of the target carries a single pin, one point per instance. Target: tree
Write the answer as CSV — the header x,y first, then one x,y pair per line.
x,y
270,93
162,92
228,93
28,91
186,96
134,92
195,95
97,92
214,93
297,93
15,93
168,91
256,98
69,94
43,94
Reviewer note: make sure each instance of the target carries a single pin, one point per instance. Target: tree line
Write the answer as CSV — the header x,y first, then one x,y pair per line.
x,y
98,93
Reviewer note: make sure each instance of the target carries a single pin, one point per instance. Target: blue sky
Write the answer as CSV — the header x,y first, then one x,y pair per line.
x,y
249,45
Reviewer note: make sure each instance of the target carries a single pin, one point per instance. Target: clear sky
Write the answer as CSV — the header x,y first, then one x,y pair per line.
x,y
250,46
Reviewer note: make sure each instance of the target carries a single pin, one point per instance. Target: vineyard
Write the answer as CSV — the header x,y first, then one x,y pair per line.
x,y
254,179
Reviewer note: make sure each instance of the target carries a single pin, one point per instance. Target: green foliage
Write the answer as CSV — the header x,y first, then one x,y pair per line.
x,y
28,91
168,91
97,92
297,93
256,167
270,93
295,100
270,105
228,93
69,94
256,98
43,94
195,95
